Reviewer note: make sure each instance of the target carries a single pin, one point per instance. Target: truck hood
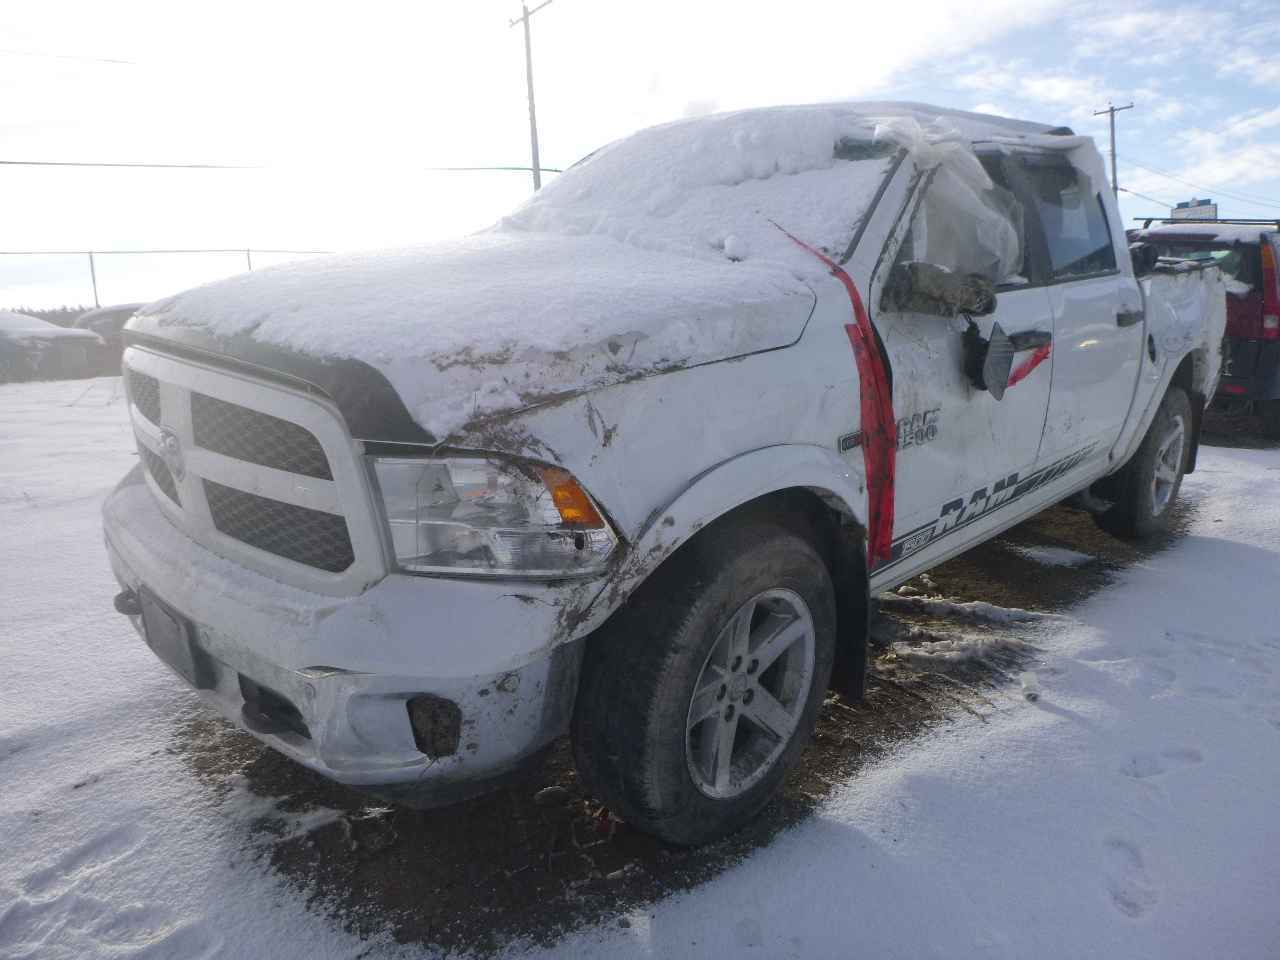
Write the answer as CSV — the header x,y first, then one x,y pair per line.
x,y
506,319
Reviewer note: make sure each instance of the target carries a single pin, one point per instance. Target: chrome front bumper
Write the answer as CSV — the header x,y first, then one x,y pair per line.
x,y
348,666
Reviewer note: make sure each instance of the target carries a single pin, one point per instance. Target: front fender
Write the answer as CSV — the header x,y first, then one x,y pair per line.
x,y
715,493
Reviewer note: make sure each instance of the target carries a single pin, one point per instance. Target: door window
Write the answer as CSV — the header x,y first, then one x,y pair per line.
x,y
966,225
1077,236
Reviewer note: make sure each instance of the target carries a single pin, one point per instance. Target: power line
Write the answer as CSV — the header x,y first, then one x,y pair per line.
x,y
521,169
63,56
85,253
238,166
1199,186
1135,193
143,166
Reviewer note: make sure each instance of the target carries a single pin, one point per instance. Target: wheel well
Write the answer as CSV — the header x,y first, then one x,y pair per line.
x,y
1185,377
840,539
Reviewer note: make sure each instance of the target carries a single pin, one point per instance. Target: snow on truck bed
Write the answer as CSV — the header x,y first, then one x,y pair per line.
x,y
656,251
1210,232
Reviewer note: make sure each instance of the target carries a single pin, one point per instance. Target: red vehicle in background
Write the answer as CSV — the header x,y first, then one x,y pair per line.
x,y
1247,251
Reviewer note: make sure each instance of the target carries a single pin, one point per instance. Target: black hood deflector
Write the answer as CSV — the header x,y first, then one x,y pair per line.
x,y
365,398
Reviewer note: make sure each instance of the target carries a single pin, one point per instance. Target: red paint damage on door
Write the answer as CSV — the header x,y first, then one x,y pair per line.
x,y
878,424
1023,370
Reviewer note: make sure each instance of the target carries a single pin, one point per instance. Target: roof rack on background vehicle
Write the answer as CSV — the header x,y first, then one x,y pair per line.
x,y
1148,221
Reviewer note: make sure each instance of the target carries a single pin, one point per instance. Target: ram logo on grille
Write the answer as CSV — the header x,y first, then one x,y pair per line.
x,y
262,479
171,453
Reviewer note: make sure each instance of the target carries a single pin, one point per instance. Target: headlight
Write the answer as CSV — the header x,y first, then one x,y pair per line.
x,y
490,518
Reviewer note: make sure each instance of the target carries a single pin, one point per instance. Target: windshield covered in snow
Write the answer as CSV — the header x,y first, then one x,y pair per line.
x,y
1241,262
720,187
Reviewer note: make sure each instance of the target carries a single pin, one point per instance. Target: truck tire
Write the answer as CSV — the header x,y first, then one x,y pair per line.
x,y
701,692
1269,410
1147,488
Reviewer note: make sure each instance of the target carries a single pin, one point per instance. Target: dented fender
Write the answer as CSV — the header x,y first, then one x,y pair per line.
x,y
713,494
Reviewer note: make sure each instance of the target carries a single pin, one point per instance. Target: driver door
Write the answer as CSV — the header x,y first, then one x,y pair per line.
x,y
962,455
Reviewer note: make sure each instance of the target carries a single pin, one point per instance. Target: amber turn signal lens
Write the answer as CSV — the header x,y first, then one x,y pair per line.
x,y
576,509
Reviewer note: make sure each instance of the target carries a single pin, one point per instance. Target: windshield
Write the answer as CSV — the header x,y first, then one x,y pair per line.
x,y
721,187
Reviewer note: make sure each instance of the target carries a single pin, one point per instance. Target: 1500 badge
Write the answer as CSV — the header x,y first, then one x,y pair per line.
x,y
912,431
918,429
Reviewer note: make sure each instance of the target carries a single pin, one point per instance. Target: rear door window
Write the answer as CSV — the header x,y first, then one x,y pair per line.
x,y
1239,261
1069,207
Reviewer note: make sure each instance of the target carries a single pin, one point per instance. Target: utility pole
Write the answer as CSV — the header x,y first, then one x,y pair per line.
x,y
1111,111
528,74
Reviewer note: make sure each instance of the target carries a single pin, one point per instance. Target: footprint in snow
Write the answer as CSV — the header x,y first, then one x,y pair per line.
x,y
1140,766
55,905
1127,880
83,860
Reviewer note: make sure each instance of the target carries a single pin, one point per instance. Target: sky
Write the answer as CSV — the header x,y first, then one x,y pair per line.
x,y
341,106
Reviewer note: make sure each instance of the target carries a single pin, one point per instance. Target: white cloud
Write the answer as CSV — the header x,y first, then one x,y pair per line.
x,y
1255,121
991,108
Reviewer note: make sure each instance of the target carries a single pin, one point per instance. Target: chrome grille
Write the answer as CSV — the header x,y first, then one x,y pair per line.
x,y
159,471
145,393
245,434
312,537
262,474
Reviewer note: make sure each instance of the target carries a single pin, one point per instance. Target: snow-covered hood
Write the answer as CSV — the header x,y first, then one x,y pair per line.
x,y
498,321
668,249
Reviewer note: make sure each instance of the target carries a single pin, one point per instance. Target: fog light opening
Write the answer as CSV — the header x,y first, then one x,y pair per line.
x,y
436,724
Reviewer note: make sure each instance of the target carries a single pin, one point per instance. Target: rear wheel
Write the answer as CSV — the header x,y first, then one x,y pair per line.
x,y
701,693
1148,486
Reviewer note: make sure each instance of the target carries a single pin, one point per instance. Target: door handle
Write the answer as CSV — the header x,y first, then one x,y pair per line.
x,y
1031,339
1127,318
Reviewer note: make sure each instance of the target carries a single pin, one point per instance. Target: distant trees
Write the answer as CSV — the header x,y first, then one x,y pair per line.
x,y
62,316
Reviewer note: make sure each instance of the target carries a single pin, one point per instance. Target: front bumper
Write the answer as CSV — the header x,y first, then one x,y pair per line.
x,y
326,680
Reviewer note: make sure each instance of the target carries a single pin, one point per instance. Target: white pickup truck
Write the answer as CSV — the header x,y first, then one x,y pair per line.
x,y
630,464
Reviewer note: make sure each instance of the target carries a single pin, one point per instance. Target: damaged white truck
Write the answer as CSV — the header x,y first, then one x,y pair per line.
x,y
631,464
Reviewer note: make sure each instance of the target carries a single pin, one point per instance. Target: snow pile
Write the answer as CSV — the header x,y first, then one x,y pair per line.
x,y
20,326
659,251
972,610
247,807
1051,556
1214,232
960,647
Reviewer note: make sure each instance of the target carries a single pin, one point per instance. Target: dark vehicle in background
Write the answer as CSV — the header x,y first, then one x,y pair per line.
x,y
107,323
33,349
1247,252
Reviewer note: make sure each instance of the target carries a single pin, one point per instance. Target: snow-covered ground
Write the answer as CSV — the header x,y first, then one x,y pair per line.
x,y
1130,811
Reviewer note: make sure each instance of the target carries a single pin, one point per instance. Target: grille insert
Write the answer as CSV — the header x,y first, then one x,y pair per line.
x,y
145,392
312,537
159,471
260,438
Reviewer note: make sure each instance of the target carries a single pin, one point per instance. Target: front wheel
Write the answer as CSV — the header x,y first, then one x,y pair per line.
x,y
701,693
1148,485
